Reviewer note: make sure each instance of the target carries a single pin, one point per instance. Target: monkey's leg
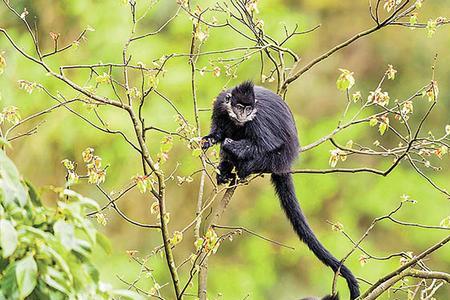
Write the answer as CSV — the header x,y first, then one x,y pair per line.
x,y
241,149
263,163
225,168
226,175
245,169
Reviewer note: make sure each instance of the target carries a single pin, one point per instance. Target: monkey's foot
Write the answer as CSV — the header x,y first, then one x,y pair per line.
x,y
225,178
243,180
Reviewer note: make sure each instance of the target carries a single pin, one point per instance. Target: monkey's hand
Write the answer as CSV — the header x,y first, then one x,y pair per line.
x,y
207,142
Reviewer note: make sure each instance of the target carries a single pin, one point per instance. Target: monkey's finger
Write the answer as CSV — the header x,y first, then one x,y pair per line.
x,y
205,144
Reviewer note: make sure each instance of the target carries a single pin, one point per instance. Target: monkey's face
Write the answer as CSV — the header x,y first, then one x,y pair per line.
x,y
239,110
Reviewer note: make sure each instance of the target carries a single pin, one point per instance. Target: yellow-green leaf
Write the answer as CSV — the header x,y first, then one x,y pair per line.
x,y
382,128
8,238
445,222
345,80
26,276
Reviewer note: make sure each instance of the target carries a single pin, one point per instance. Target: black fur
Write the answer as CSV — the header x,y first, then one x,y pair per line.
x,y
268,143
244,93
331,297
328,297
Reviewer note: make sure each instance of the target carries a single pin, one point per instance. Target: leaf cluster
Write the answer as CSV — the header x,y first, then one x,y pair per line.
x,y
45,253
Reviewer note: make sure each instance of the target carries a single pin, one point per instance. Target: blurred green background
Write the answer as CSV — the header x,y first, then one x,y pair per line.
x,y
247,265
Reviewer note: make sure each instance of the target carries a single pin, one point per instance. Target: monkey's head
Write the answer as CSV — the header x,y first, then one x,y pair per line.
x,y
240,103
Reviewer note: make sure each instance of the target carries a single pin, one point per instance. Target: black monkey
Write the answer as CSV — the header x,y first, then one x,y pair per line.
x,y
258,135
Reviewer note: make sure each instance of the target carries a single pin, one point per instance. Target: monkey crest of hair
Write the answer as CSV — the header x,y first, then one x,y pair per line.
x,y
257,134
244,93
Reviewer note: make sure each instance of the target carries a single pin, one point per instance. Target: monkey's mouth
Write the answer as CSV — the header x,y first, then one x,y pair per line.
x,y
245,117
239,119
236,117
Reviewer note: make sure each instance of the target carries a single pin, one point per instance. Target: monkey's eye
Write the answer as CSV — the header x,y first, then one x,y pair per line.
x,y
248,110
240,108
228,98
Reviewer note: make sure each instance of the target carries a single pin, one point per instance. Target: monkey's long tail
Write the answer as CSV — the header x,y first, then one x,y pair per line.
x,y
284,188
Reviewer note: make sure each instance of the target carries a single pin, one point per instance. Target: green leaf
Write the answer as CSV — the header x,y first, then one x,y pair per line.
x,y
89,203
65,232
413,19
382,128
104,242
63,239
345,80
92,271
82,247
177,238
38,232
26,276
445,222
84,201
34,197
10,183
142,187
8,284
103,78
431,28
59,260
56,285
91,232
8,238
166,144
44,292
199,243
56,279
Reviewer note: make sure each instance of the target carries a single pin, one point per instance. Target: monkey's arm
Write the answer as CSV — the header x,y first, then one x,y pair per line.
x,y
215,136
219,124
